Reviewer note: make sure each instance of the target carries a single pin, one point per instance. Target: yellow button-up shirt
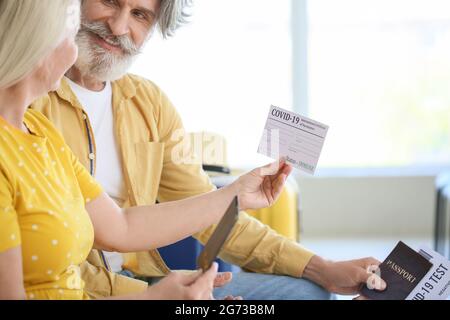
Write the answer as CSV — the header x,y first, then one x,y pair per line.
x,y
147,128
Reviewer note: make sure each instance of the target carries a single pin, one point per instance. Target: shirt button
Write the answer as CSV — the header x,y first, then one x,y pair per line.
x,y
91,156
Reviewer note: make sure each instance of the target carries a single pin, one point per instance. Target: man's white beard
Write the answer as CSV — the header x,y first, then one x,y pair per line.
x,y
98,63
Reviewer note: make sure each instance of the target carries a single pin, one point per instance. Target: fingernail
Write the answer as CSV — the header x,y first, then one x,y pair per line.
x,y
380,284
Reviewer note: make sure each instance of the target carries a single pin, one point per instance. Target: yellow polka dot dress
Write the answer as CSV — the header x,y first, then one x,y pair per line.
x,y
43,191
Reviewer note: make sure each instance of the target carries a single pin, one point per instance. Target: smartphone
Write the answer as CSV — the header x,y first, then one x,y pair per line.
x,y
219,236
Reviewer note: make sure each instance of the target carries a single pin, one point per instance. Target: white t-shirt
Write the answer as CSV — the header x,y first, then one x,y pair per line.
x,y
98,107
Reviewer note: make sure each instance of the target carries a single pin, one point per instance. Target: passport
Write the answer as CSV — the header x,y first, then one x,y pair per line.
x,y
219,236
402,271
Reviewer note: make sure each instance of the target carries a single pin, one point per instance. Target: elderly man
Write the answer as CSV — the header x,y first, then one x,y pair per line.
x,y
121,126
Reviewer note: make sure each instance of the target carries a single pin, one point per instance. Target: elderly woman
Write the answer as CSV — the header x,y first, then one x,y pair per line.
x,y
51,210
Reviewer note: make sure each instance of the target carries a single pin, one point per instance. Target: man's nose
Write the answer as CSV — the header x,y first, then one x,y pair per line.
x,y
118,24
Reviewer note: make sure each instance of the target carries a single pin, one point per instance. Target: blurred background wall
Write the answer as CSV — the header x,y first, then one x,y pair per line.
x,y
376,71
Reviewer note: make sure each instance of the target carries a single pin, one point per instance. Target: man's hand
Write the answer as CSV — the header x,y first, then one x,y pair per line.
x,y
222,279
345,277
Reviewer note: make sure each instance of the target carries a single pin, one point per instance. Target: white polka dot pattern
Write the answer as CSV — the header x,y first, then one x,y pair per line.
x,y
42,209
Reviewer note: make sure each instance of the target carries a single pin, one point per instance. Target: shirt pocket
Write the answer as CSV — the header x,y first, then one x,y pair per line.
x,y
149,158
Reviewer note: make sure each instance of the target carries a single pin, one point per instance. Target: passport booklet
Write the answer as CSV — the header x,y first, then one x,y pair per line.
x,y
412,275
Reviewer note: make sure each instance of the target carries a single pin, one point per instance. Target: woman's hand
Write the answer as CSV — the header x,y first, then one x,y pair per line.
x,y
261,187
179,286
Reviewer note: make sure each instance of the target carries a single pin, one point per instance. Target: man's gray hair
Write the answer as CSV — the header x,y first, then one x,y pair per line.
x,y
173,14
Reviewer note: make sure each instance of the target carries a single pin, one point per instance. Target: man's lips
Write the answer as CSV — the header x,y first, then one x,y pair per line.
x,y
105,45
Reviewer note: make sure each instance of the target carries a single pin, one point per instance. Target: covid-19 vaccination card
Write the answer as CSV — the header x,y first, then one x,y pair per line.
x,y
298,139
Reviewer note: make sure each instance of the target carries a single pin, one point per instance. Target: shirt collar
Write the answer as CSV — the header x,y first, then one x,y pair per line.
x,y
122,89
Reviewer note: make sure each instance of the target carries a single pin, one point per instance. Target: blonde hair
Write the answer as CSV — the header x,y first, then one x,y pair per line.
x,y
29,31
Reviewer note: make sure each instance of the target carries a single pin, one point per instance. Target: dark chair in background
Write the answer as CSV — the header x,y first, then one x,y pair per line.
x,y
442,223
